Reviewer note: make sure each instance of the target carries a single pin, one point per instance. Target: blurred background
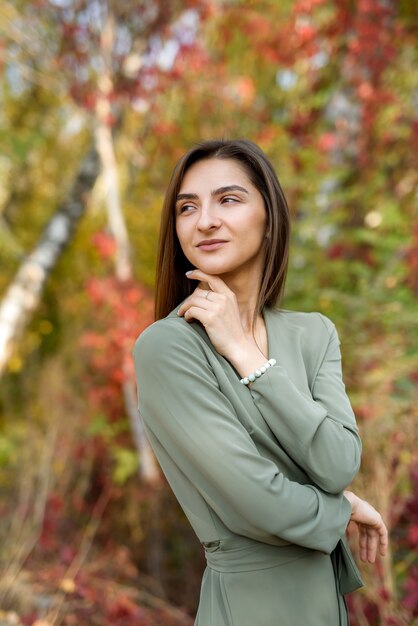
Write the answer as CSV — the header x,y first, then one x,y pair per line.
x,y
98,101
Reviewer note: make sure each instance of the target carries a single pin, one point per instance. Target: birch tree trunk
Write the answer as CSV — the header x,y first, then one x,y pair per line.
x,y
23,295
105,149
148,468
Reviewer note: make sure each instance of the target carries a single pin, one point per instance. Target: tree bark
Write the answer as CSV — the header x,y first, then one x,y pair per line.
x,y
148,469
106,151
23,295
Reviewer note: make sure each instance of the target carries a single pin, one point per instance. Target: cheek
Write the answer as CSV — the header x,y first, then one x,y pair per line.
x,y
183,237
179,233
256,229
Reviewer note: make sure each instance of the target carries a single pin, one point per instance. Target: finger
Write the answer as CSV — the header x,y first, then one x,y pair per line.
x,y
215,283
372,542
195,300
383,540
363,543
199,291
196,313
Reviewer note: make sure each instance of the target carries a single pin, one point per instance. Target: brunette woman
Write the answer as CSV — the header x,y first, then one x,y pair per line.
x,y
244,403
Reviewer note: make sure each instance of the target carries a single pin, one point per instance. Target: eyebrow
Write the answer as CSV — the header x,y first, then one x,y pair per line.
x,y
215,192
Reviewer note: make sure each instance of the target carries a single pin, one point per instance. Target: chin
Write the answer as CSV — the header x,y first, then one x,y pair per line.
x,y
216,266
217,270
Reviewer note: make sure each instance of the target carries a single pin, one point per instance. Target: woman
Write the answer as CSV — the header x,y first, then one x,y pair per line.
x,y
244,404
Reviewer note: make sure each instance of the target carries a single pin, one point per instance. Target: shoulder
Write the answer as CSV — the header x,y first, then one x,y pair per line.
x,y
312,334
167,335
311,322
167,351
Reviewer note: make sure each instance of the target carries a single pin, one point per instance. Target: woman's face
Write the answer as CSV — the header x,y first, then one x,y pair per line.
x,y
220,218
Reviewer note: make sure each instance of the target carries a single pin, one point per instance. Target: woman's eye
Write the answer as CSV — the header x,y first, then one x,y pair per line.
x,y
229,199
185,208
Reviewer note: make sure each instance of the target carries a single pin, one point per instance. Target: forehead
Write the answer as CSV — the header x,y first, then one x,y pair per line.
x,y
213,173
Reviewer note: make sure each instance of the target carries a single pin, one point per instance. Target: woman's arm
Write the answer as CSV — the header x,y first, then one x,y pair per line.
x,y
373,534
195,423
319,432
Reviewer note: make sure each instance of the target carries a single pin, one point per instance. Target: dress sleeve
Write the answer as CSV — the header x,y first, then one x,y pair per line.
x,y
181,403
318,431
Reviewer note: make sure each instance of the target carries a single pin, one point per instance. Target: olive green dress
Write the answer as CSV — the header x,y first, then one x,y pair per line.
x,y
259,471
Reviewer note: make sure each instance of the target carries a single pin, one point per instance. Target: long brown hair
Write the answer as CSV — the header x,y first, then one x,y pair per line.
x,y
172,286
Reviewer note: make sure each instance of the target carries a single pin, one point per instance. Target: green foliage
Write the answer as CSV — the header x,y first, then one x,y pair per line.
x,y
125,464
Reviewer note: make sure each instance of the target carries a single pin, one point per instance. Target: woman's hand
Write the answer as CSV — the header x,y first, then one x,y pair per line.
x,y
217,309
373,533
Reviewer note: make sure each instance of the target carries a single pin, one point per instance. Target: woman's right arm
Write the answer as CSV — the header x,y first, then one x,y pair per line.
x,y
182,405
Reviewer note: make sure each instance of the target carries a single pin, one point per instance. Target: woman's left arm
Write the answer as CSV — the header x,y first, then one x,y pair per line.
x,y
318,431
373,534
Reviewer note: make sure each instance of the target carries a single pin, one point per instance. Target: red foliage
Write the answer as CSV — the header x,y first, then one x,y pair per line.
x,y
327,142
350,251
358,42
370,49
121,311
79,43
104,244
108,591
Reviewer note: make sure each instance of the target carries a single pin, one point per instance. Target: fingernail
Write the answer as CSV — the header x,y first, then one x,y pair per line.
x,y
189,272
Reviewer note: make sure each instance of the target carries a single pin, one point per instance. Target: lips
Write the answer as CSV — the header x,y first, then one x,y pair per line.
x,y
208,245
210,242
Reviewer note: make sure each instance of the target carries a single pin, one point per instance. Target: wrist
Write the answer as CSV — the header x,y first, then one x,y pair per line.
x,y
352,498
247,358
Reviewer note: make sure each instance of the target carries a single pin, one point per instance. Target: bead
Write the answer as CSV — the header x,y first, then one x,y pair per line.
x,y
258,372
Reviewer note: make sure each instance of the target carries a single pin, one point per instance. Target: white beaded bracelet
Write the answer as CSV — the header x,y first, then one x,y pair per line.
x,y
251,377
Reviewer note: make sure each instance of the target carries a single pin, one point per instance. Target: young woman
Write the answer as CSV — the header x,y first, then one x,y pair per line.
x,y
244,404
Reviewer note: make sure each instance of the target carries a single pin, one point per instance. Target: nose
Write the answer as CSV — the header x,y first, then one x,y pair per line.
x,y
208,219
